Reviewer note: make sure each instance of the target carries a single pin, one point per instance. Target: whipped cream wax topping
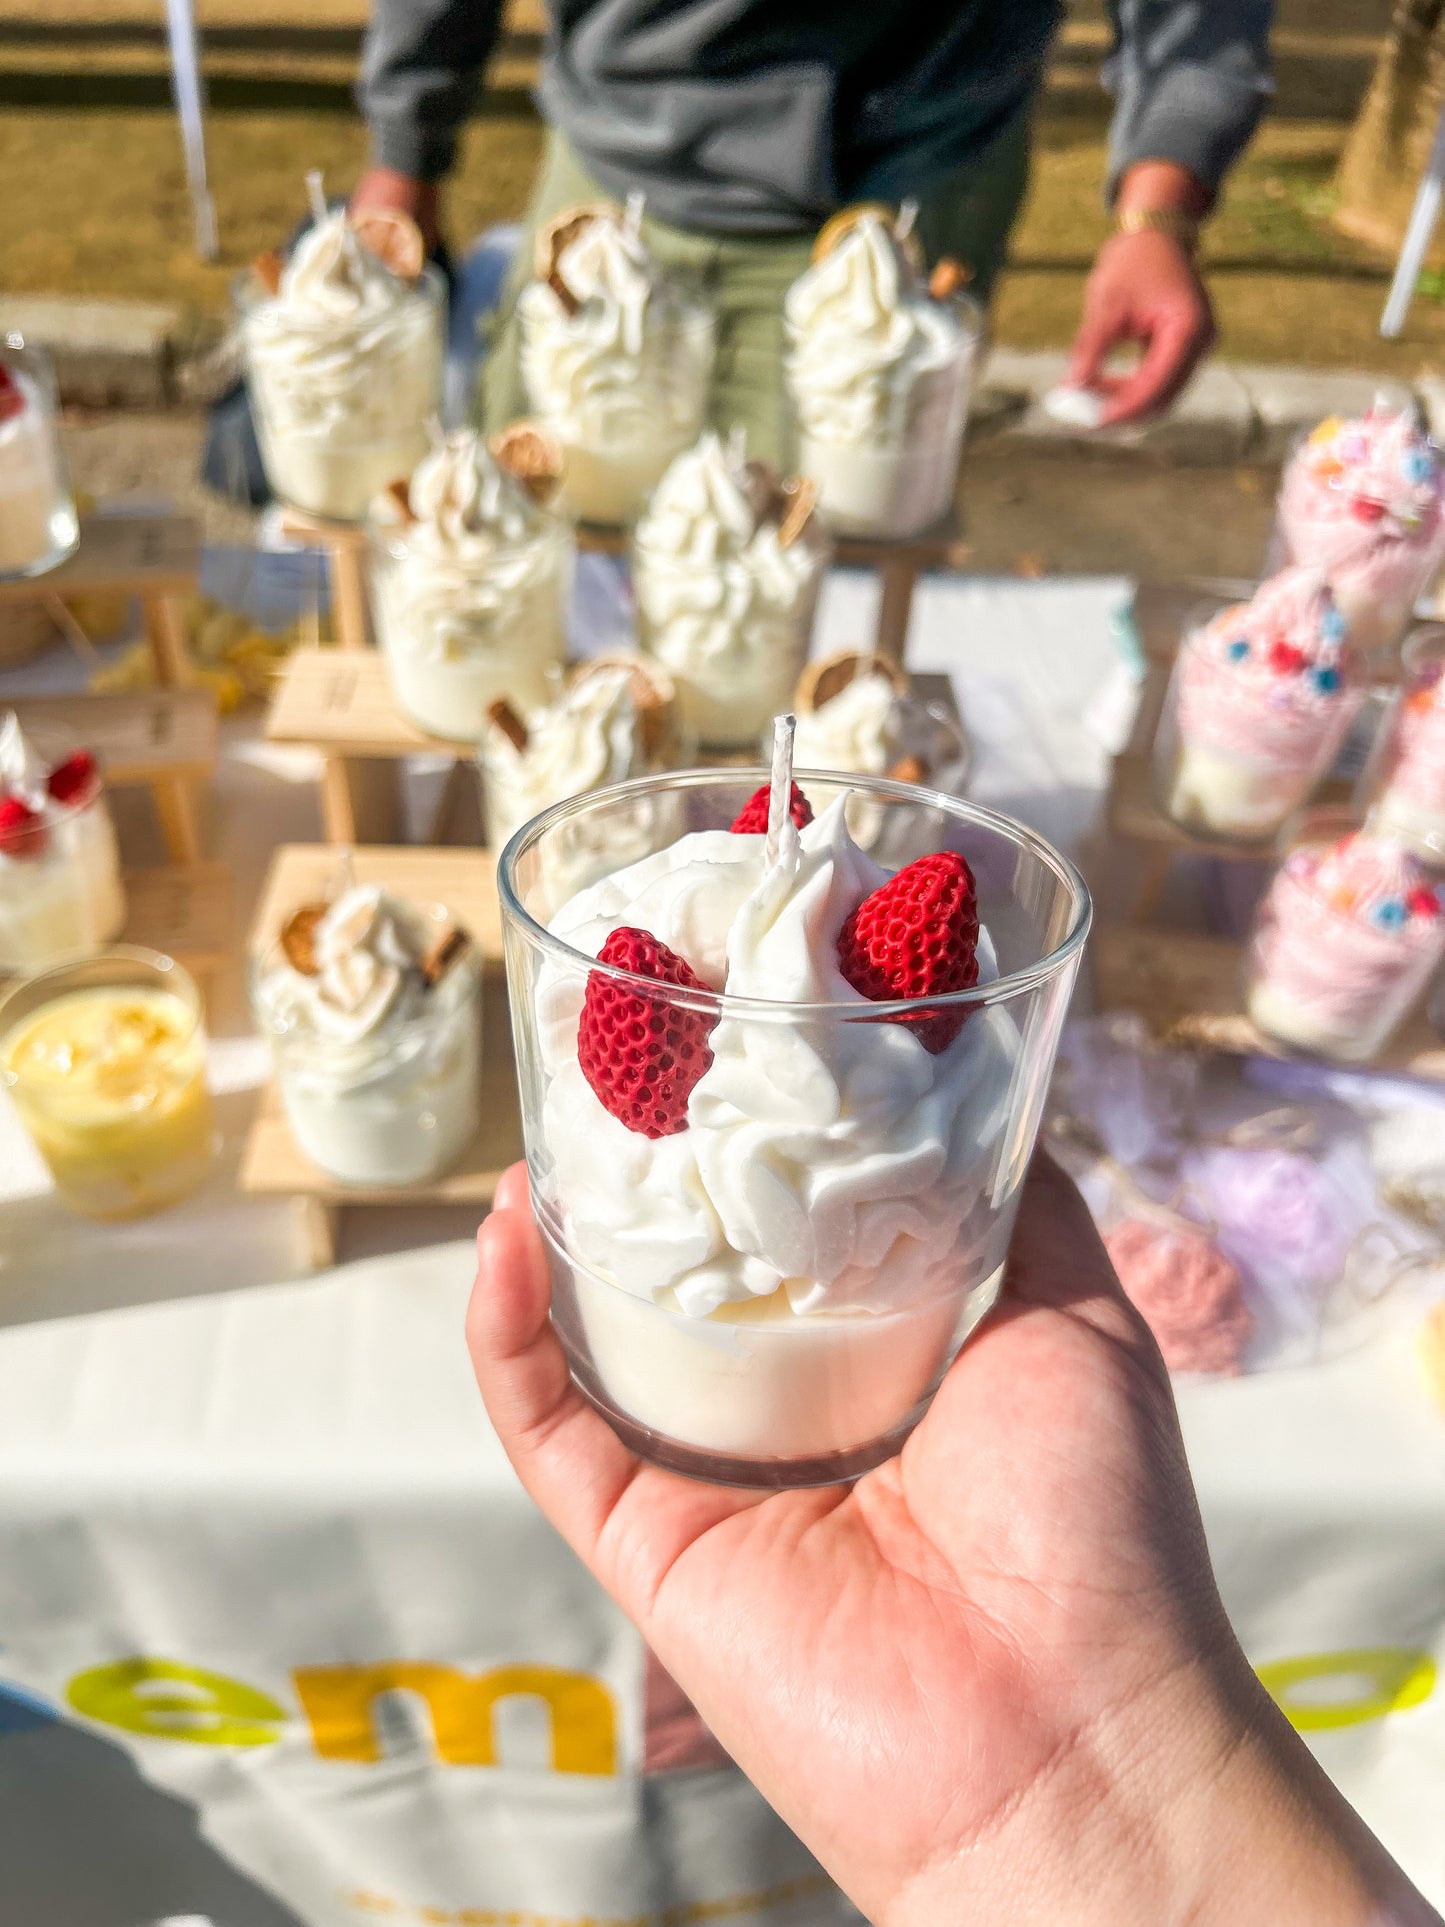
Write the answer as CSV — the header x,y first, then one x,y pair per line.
x,y
854,730
840,1161
465,505
21,773
865,338
588,737
369,947
331,277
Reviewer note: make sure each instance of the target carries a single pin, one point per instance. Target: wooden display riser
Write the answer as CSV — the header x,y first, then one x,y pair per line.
x,y
465,881
1188,990
155,558
165,740
185,911
897,565
340,702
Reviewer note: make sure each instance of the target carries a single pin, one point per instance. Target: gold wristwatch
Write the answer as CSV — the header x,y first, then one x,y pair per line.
x,y
1173,221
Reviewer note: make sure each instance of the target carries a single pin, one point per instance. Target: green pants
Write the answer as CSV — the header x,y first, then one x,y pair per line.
x,y
743,278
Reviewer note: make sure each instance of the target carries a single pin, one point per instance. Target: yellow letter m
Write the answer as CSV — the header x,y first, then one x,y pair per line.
x,y
339,1701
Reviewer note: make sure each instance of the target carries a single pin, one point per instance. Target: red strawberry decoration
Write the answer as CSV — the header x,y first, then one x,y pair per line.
x,y
12,398
916,936
1423,902
752,818
642,1055
73,777
1285,659
1364,509
22,830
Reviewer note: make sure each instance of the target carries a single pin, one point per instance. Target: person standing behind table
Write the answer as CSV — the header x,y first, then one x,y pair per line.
x,y
747,123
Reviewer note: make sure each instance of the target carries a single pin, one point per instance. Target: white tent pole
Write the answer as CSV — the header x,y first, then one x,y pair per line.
x,y
190,106
1423,217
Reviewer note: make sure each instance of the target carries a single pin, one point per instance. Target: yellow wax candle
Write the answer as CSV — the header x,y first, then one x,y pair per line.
x,y
110,1081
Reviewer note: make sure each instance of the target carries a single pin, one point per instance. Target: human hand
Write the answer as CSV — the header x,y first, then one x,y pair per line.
x,y
1143,288
993,1679
384,187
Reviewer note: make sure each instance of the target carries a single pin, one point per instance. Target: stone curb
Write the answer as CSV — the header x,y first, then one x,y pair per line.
x,y
132,354
1230,412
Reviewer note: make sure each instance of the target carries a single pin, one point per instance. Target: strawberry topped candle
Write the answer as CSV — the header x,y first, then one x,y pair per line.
x,y
1364,501
1259,703
60,888
1347,937
778,1102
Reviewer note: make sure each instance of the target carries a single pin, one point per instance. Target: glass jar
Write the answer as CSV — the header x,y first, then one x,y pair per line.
x,y
1346,938
60,884
105,1061
892,477
735,1296
399,1105
620,416
1232,759
460,632
1402,791
342,405
39,526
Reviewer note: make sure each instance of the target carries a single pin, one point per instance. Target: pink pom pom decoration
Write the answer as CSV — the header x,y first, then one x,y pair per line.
x,y
1188,1293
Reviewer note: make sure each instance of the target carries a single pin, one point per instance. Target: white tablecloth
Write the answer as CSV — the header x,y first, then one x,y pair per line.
x,y
270,1514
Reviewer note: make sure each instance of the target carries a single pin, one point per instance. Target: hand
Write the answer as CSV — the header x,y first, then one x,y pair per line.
x,y
1143,288
993,1679
384,187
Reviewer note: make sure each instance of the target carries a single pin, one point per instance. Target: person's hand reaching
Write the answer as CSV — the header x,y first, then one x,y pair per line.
x,y
992,1681
384,187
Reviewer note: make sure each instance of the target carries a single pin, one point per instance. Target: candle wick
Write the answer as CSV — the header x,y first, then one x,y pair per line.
x,y
317,195
780,792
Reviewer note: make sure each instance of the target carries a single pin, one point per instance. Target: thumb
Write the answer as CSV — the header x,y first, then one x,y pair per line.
x,y
1101,325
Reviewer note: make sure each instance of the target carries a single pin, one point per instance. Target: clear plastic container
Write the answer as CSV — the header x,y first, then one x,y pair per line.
x,y
899,480
1402,792
1233,763
39,527
459,635
754,1392
105,1061
620,419
1332,971
398,1106
60,884
342,407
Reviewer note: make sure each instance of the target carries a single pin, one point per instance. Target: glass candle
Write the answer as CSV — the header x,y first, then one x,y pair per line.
x,y
105,1061
60,885
38,523
1403,789
767,1288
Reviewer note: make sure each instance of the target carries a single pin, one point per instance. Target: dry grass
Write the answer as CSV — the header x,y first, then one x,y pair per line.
x,y
95,195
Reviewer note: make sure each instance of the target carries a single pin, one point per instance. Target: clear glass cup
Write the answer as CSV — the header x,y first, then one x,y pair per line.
x,y
754,1393
1228,765
1402,791
733,638
39,526
899,479
60,885
342,406
398,1106
104,1058
620,419
1320,979
460,633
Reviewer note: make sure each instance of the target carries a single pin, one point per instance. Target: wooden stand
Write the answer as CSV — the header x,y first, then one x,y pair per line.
x,y
898,566
165,740
156,558
345,547
464,880
1188,990
184,910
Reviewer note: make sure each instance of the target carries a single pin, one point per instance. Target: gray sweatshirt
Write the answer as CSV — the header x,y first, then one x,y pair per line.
x,y
764,116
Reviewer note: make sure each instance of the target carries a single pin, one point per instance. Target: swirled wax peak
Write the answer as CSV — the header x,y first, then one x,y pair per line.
x,y
728,1159
878,366
351,968
727,562
461,500
1347,937
60,887
594,254
333,275
1365,501
1261,698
